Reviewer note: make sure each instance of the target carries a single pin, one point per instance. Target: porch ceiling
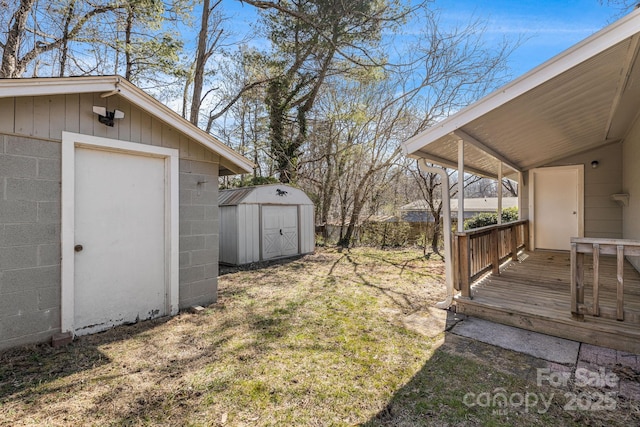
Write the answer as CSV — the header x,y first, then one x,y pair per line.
x,y
584,98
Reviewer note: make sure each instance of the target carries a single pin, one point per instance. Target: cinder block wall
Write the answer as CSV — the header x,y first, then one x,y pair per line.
x,y
29,240
199,220
30,203
30,178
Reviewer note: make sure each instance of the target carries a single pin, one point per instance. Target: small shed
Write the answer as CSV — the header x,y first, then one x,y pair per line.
x,y
264,222
108,208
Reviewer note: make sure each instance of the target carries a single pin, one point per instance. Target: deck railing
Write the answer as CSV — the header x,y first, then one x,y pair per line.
x,y
618,247
482,249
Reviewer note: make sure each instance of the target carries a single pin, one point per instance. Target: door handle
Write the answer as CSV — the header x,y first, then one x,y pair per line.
x,y
281,231
574,212
78,248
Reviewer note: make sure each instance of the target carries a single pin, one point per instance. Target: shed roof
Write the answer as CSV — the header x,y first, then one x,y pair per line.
x,y
583,98
230,161
272,194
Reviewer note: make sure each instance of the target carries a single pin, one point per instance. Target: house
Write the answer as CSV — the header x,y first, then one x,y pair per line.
x,y
108,208
418,211
569,132
265,222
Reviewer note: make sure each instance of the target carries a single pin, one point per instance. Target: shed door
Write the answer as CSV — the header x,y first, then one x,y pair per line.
x,y
279,231
557,206
120,223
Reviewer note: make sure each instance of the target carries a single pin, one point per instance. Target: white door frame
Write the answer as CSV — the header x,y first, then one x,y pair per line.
x,y
69,143
579,169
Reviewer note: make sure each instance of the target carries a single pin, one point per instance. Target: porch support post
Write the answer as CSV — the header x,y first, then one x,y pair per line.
x,y
464,248
520,189
451,256
460,186
499,192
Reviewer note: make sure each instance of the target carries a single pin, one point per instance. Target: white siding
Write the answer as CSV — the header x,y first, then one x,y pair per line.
x,y
248,232
631,185
228,234
307,229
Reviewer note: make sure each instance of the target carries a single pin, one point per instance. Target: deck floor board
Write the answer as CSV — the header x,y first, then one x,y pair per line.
x,y
534,293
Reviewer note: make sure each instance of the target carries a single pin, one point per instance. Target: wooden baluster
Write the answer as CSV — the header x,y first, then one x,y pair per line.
x,y
494,248
514,244
596,279
620,294
525,231
577,275
456,261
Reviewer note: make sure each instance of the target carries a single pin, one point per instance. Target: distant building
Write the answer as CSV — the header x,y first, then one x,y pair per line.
x,y
418,211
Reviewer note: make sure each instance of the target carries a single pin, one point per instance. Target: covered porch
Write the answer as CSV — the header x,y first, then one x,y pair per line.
x,y
569,133
539,291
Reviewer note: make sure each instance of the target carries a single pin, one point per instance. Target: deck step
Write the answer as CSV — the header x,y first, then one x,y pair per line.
x,y
600,332
533,293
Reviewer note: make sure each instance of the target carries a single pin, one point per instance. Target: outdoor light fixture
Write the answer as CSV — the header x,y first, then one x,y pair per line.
x,y
594,164
107,117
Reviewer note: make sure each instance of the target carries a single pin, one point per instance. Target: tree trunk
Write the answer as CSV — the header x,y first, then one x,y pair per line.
x,y
127,43
9,67
277,114
327,192
201,55
65,36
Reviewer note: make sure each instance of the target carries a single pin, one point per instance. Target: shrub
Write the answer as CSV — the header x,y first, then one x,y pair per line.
x,y
384,234
486,218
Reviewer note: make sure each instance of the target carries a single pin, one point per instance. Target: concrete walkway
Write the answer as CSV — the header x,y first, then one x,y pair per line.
x,y
542,346
576,360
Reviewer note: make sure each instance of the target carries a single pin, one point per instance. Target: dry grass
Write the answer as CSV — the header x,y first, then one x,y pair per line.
x,y
317,341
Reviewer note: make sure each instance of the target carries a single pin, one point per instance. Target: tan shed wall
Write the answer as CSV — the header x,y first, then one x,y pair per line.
x,y
45,117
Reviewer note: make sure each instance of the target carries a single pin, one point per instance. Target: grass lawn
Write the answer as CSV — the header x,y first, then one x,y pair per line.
x,y
319,341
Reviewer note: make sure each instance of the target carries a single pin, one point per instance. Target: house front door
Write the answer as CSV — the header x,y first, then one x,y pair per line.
x,y
556,206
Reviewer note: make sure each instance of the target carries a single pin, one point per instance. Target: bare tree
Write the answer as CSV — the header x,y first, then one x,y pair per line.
x,y
430,187
19,51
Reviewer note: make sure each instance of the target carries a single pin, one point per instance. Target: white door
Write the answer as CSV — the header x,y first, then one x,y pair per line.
x,y
557,206
279,231
122,266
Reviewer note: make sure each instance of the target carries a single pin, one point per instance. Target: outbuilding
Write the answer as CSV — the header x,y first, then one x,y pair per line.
x,y
265,222
108,208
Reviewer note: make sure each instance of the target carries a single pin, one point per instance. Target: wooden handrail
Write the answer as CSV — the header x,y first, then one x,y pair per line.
x,y
489,228
479,250
618,247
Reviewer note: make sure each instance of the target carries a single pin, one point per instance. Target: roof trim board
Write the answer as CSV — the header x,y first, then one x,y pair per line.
x,y
627,68
447,163
481,146
112,85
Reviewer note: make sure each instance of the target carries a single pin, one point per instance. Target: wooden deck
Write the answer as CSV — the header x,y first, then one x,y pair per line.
x,y
534,293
